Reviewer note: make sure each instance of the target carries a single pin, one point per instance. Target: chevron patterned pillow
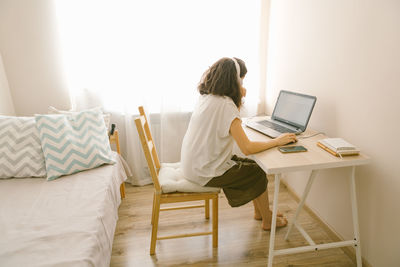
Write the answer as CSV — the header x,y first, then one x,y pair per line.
x,y
20,151
106,116
73,143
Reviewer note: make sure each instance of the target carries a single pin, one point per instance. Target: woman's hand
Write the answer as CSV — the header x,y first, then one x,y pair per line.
x,y
250,147
285,138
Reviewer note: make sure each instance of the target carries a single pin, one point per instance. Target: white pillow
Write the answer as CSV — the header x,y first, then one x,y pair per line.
x,y
171,179
73,143
20,151
106,116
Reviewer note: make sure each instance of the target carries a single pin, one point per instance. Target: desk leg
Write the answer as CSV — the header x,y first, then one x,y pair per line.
x,y
273,226
355,216
303,199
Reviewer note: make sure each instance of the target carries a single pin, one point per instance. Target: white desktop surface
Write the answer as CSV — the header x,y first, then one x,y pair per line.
x,y
273,161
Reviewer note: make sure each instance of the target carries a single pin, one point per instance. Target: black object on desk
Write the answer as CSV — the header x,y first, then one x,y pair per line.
x,y
292,149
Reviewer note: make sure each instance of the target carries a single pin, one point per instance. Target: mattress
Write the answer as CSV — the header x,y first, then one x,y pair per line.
x,y
66,222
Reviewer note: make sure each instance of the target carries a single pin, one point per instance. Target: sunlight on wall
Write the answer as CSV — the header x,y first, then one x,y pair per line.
x,y
129,52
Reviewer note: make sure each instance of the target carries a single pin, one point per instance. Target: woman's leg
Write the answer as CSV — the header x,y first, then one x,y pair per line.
x,y
261,204
257,214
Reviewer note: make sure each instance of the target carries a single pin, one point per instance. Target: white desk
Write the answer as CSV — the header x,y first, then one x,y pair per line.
x,y
274,162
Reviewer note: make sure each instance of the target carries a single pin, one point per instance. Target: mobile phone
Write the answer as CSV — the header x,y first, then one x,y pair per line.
x,y
291,149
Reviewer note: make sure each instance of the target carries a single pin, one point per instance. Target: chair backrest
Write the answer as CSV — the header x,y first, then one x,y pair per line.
x,y
149,147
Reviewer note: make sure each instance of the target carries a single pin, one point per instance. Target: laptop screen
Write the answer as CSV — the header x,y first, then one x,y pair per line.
x,y
294,108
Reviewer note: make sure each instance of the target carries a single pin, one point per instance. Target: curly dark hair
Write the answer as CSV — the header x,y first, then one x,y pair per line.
x,y
221,79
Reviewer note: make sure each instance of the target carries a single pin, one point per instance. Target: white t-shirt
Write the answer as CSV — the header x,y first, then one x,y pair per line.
x,y
207,146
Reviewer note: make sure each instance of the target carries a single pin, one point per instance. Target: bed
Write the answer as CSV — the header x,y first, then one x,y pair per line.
x,y
65,222
65,212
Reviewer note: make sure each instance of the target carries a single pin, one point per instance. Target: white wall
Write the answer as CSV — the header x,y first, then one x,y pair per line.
x,y
6,103
347,54
28,42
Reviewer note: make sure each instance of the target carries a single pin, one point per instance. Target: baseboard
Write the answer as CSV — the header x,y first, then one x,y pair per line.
x,y
349,251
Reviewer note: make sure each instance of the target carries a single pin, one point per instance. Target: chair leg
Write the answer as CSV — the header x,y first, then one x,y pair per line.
x,y
156,208
122,190
215,221
207,208
152,212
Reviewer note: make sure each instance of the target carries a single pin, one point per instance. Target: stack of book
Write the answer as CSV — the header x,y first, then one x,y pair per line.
x,y
338,147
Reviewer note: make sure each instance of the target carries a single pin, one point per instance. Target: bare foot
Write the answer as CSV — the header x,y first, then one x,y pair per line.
x,y
280,222
258,217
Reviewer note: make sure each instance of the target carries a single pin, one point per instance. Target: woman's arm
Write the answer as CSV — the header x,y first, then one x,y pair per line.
x,y
249,147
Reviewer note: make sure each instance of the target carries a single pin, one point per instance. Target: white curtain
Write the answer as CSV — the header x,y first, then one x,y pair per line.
x,y
122,54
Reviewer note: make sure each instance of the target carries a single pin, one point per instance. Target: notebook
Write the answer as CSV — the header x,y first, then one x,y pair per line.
x,y
291,114
338,147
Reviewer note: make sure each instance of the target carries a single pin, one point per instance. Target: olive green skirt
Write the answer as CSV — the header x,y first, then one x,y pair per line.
x,y
242,183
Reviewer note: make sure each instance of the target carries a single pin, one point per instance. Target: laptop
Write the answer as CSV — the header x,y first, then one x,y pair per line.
x,y
291,114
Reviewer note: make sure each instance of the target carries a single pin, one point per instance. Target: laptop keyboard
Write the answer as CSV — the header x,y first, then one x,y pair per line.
x,y
276,127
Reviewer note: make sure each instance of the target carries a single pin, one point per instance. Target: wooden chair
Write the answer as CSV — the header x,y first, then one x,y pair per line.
x,y
160,197
114,138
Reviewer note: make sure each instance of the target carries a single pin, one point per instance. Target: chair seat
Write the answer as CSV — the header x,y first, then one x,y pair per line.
x,y
172,180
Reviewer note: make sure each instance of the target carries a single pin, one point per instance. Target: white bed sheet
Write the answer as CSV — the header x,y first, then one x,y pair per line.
x,y
66,222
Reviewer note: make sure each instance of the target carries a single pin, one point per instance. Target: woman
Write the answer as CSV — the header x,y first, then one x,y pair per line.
x,y
206,155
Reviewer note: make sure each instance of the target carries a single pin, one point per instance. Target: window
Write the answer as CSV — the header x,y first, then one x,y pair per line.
x,y
131,52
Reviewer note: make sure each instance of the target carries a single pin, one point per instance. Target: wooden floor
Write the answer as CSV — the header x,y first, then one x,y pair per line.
x,y
241,240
